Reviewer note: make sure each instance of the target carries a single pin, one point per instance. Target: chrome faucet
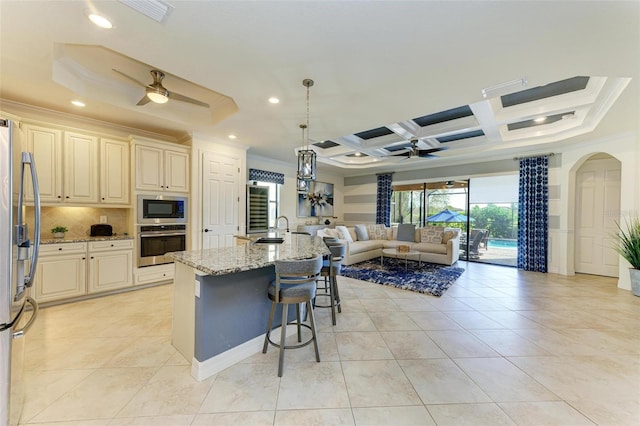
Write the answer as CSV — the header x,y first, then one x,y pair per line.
x,y
286,220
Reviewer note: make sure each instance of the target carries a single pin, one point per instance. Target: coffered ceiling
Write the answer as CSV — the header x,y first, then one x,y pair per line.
x,y
385,73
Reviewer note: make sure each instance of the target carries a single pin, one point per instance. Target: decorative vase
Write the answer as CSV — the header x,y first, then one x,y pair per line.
x,y
58,235
313,210
635,281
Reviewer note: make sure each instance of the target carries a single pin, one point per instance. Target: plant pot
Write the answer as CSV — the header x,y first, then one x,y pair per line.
x,y
635,281
58,235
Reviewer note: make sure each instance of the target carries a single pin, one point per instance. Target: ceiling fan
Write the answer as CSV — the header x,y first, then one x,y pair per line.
x,y
414,152
157,93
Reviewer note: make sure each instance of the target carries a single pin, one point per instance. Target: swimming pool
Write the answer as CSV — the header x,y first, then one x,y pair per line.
x,y
502,243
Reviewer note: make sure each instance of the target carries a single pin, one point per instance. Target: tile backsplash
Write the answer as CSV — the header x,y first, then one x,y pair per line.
x,y
79,220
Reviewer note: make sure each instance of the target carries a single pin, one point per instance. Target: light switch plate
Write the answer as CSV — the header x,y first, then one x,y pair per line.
x,y
103,219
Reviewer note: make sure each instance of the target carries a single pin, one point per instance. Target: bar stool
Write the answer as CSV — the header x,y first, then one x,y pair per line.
x,y
330,270
295,283
328,241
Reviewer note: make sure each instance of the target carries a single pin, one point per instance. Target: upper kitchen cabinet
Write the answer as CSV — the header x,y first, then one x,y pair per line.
x,y
77,168
46,146
80,168
114,171
161,168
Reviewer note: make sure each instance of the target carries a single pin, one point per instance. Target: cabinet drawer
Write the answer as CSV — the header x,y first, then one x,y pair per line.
x,y
110,245
152,274
62,248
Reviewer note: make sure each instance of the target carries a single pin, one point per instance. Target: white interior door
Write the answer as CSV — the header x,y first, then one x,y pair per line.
x,y
220,200
597,207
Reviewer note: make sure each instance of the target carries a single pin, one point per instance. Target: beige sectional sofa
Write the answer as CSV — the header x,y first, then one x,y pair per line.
x,y
359,250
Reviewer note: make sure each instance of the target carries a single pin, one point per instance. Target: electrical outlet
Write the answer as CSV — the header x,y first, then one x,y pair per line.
x,y
103,219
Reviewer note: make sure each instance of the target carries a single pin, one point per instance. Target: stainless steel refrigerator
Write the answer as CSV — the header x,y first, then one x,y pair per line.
x,y
18,258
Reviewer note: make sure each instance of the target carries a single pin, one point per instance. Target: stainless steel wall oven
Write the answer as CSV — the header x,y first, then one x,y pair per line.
x,y
156,240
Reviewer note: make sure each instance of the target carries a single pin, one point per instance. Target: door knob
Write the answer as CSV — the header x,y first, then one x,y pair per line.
x,y
206,230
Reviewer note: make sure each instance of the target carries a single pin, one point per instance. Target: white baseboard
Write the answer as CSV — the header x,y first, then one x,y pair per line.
x,y
201,370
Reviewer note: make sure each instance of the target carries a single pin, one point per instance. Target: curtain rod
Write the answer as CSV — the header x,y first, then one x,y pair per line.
x,y
550,154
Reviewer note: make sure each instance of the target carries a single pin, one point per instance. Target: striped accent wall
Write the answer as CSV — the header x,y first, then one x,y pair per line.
x,y
360,202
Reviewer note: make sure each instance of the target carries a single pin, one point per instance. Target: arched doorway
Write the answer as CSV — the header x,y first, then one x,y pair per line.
x,y
596,212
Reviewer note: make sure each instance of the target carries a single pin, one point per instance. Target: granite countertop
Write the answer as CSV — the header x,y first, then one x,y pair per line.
x,y
248,255
84,239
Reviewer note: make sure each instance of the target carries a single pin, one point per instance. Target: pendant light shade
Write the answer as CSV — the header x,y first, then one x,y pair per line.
x,y
306,157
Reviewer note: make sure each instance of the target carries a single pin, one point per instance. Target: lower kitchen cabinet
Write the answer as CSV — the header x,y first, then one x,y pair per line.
x,y
153,274
61,271
110,265
68,270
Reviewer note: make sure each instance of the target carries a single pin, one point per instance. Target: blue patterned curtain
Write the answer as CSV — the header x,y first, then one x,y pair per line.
x,y
533,214
383,200
265,176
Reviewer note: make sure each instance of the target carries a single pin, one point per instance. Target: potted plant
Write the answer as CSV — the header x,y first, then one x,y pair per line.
x,y
629,247
58,231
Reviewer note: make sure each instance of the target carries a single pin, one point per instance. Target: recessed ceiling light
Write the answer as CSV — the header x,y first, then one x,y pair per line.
x,y
358,154
540,119
232,136
78,103
100,20
274,100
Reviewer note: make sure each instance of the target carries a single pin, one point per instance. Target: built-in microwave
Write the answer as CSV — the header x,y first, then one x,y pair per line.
x,y
162,209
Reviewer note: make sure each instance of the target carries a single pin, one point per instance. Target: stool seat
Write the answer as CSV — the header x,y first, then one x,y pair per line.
x,y
292,293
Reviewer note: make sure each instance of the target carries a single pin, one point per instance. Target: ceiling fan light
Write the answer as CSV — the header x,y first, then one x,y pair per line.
x,y
157,97
100,21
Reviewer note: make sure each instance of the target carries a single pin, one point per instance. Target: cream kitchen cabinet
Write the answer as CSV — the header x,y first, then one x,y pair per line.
x,y
76,168
161,169
46,146
110,265
61,271
114,171
80,168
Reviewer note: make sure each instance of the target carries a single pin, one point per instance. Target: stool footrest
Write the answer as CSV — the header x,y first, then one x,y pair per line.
x,y
299,345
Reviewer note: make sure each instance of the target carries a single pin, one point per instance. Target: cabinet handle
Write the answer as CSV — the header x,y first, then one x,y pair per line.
x,y
84,258
111,245
66,196
102,198
59,248
59,196
91,257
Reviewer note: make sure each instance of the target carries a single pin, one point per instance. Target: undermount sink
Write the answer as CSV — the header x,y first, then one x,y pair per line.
x,y
269,240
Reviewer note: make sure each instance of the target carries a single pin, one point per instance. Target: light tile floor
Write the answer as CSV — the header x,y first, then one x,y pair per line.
x,y
501,347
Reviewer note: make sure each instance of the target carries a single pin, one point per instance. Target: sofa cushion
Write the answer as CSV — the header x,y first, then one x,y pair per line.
x,y
328,232
377,232
449,234
344,233
431,234
430,248
406,232
362,246
361,232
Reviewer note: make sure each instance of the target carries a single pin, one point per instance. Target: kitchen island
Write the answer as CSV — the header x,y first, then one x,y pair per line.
x,y
220,304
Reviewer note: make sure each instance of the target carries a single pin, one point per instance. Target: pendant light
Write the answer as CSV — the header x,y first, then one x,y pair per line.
x,y
306,157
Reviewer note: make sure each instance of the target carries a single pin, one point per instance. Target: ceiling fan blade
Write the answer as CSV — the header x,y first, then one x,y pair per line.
x,y
178,97
129,77
145,100
429,152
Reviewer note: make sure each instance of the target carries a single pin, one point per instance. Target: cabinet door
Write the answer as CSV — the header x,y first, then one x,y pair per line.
x,y
176,171
81,168
110,270
114,172
149,168
46,146
60,277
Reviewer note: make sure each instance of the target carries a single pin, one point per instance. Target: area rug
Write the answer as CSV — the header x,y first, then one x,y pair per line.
x,y
429,278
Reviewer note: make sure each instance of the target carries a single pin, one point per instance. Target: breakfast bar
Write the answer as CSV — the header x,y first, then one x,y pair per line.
x,y
220,304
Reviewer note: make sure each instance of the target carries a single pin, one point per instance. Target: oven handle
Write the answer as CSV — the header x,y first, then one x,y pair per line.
x,y
162,235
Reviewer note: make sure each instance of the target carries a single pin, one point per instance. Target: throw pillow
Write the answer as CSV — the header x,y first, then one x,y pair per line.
x,y
431,234
361,233
377,232
331,233
406,232
344,233
449,234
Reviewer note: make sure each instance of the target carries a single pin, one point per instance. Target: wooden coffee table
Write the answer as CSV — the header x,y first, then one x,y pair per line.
x,y
406,255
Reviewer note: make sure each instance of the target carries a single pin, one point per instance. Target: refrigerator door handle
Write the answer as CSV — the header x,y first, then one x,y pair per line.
x,y
27,326
22,234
